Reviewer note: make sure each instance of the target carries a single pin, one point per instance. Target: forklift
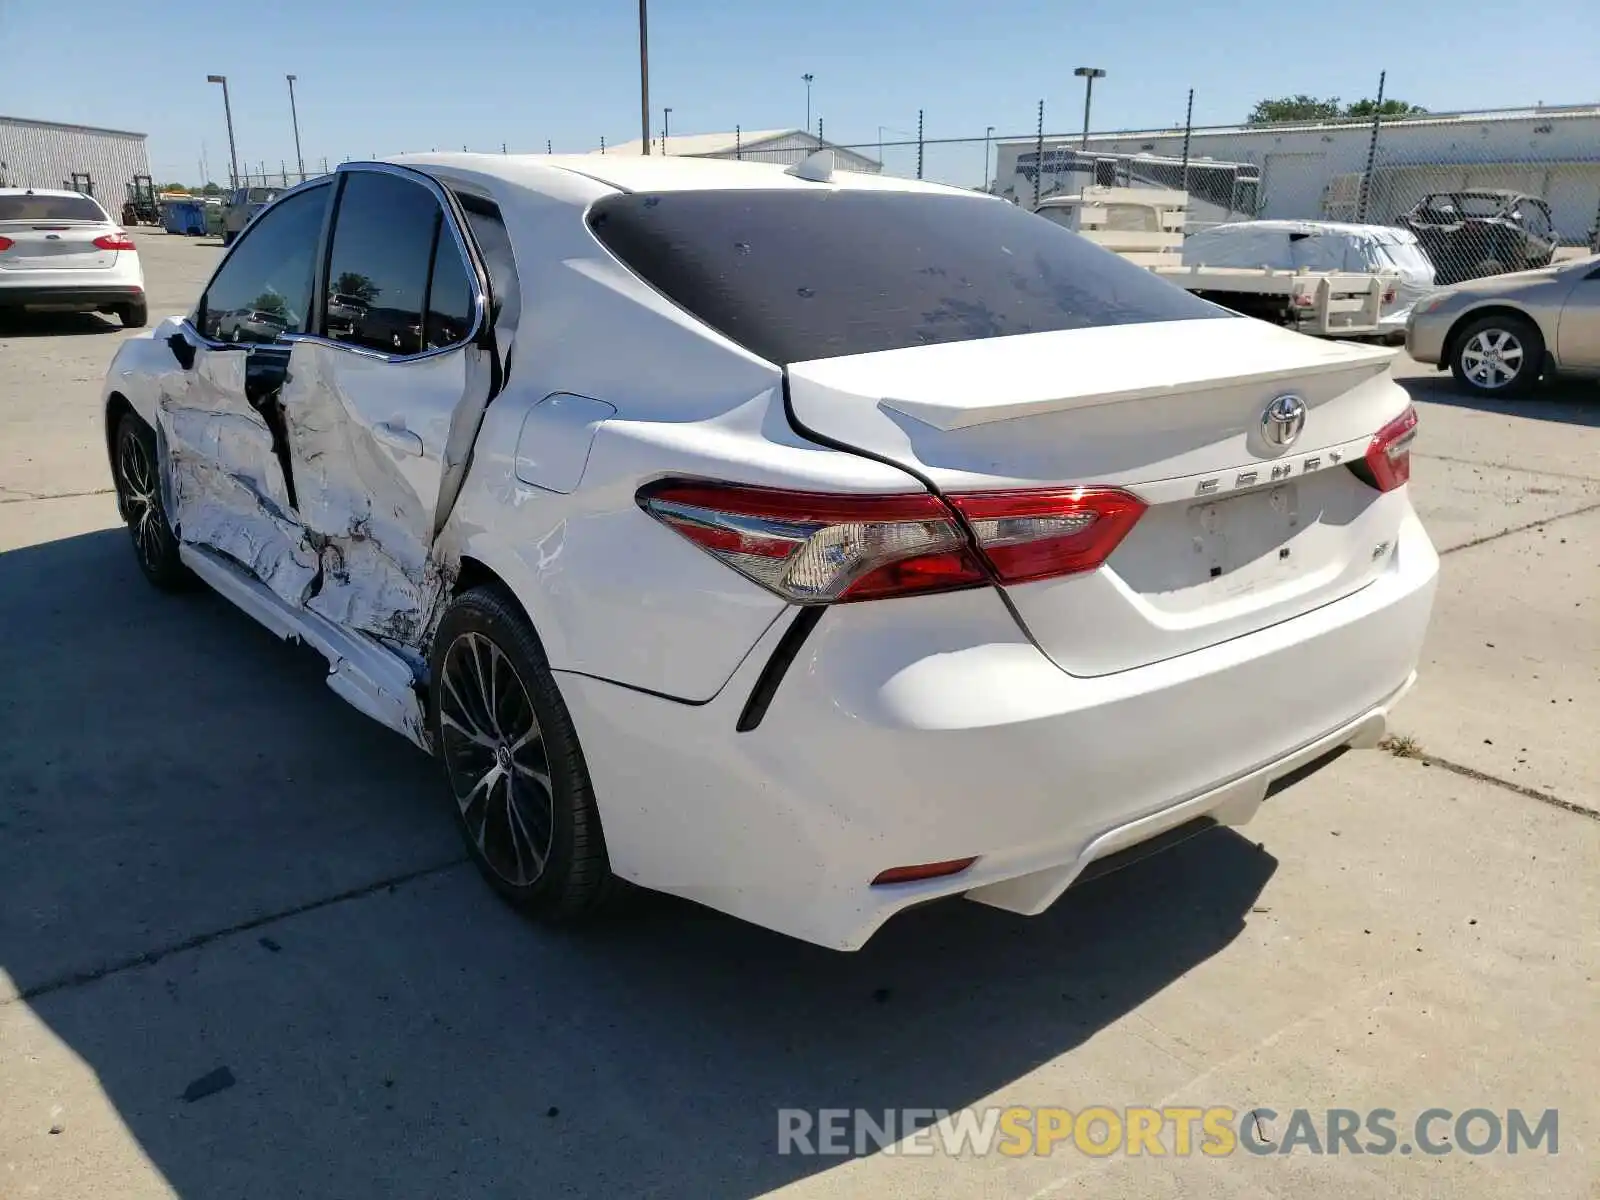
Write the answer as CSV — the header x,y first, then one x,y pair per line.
x,y
81,181
141,207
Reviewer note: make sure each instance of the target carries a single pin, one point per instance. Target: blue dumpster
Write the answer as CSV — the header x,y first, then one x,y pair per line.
x,y
184,216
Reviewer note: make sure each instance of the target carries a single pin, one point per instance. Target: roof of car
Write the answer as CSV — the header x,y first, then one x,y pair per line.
x,y
63,192
652,173
1380,233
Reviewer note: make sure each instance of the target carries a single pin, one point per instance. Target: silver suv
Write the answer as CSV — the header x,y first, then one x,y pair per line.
x,y
242,205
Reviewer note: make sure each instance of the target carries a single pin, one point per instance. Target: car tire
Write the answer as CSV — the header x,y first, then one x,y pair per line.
x,y
516,775
1497,355
134,316
136,471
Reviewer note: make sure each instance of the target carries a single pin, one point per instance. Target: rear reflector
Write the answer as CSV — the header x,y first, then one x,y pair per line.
x,y
1388,458
6,243
114,241
937,870
823,548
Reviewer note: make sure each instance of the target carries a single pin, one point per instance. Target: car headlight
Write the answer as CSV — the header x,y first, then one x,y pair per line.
x,y
1429,303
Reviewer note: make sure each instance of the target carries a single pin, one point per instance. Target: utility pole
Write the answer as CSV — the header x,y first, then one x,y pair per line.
x,y
644,78
227,110
988,137
1089,75
294,115
807,78
666,128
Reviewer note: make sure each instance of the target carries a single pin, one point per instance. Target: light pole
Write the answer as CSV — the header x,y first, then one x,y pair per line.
x,y
666,128
988,136
227,111
1089,74
294,115
644,77
808,77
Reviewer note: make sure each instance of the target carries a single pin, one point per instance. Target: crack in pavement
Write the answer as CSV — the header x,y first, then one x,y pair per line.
x,y
15,496
1541,522
150,957
1521,789
1494,466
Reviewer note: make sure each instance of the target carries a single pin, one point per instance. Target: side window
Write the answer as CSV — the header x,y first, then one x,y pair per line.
x,y
264,287
382,248
450,296
1539,220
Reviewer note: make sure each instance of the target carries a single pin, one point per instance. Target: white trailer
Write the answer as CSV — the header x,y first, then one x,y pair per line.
x,y
1146,226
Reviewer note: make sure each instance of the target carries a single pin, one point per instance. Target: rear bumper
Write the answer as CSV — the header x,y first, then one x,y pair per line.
x,y
929,729
85,298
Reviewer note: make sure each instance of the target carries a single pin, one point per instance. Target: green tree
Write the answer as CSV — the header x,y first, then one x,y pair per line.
x,y
353,283
1309,108
272,302
1364,109
1294,108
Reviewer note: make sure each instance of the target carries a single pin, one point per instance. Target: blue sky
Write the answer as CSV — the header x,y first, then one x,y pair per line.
x,y
403,75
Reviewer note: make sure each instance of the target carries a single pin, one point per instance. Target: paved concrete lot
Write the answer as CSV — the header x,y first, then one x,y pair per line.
x,y
217,879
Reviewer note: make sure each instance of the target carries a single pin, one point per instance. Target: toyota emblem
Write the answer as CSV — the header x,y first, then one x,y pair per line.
x,y
1284,419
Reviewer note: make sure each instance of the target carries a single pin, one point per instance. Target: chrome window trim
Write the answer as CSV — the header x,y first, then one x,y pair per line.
x,y
447,208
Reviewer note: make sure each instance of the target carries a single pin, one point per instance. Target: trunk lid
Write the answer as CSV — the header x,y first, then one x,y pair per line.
x,y
54,246
1240,532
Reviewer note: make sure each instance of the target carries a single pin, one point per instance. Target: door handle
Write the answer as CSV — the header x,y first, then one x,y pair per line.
x,y
398,437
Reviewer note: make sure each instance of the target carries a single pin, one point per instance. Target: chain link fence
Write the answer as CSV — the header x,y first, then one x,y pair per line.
x,y
1482,192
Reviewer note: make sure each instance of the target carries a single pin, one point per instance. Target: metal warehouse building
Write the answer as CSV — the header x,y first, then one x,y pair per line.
x,y
48,154
786,146
1314,170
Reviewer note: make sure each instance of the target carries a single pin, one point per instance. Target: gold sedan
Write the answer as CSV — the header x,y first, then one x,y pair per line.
x,y
1499,335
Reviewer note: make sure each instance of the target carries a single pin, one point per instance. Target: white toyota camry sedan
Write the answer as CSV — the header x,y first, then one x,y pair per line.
x,y
807,544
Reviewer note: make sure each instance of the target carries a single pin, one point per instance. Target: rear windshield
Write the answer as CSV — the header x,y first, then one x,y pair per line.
x,y
50,208
795,275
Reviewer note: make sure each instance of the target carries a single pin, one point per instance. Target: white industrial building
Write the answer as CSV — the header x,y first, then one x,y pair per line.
x,y
786,146
1313,170
48,154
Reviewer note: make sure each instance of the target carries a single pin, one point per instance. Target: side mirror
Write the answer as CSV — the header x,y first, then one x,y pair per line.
x,y
182,350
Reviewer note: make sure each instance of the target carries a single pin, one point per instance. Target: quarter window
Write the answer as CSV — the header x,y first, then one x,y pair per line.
x,y
264,287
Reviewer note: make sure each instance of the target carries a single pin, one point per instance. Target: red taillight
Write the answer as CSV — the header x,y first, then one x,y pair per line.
x,y
816,548
1388,296
821,548
114,241
1389,456
937,870
1041,534
6,243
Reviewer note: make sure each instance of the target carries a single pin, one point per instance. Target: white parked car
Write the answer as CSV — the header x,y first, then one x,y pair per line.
x,y
1323,246
60,252
809,545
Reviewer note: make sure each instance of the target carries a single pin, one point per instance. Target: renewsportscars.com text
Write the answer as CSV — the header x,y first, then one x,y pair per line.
x,y
1100,1131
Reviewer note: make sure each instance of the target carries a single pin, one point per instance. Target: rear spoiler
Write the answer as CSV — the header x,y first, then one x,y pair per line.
x,y
1035,373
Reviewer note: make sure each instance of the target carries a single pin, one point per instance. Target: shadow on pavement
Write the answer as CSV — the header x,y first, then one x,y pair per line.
x,y
172,771
1572,401
54,324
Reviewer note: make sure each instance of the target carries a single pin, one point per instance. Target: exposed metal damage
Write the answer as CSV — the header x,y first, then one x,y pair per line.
x,y
286,481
